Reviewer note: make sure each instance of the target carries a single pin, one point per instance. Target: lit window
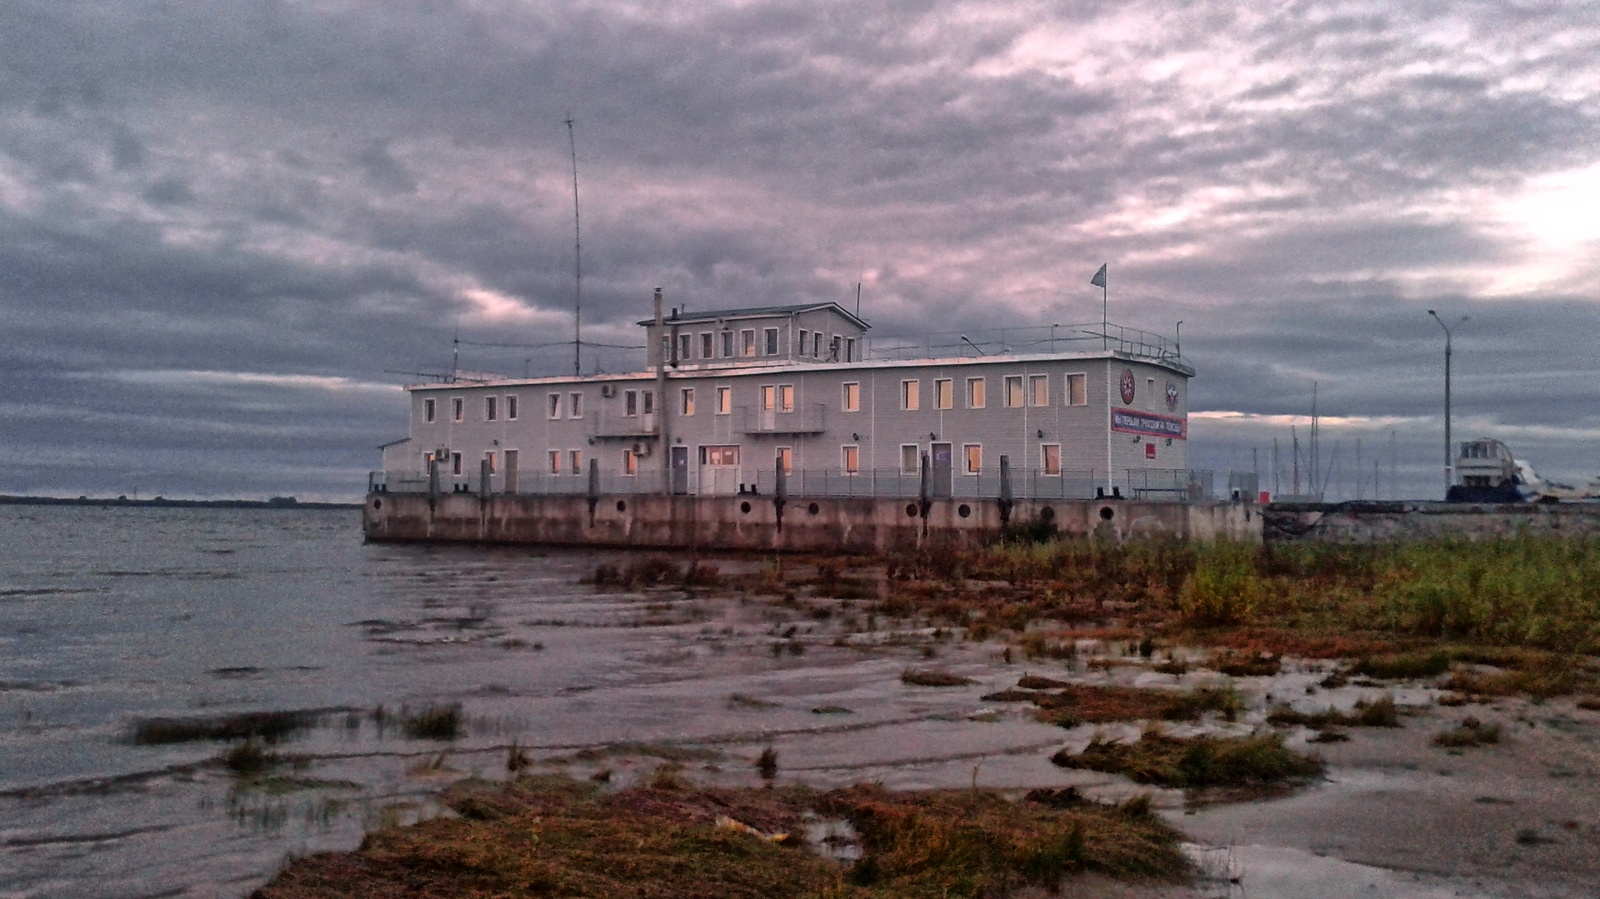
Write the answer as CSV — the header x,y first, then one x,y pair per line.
x,y
974,454
772,341
576,458
719,456
786,459
630,462
943,394
724,400
910,396
688,400
1050,458
489,457
785,397
1039,390
511,407
427,410
1077,390
747,343
769,397
577,405
851,459
554,410
456,408
555,461
975,398
910,459
1013,391
852,397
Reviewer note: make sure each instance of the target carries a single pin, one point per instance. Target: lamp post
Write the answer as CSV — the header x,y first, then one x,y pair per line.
x,y
1449,458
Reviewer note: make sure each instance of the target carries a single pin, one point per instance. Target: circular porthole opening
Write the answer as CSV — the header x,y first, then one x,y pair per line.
x,y
1047,514
911,510
964,510
622,505
1106,513
745,508
813,508
377,504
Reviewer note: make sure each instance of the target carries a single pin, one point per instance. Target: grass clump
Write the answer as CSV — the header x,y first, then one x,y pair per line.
x,y
1224,588
266,726
1075,704
1380,712
434,723
932,677
1196,762
1470,733
248,759
554,836
1403,666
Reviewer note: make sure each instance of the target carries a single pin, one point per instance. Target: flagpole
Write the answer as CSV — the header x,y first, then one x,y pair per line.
x,y
1105,314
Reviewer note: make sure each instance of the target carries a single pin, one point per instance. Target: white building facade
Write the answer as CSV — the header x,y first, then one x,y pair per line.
x,y
729,398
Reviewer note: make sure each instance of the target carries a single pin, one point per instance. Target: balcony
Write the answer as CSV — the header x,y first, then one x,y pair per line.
x,y
806,420
607,425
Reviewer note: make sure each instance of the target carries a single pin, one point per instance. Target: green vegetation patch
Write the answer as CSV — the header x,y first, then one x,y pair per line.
x,y
553,836
1381,712
1075,704
1196,762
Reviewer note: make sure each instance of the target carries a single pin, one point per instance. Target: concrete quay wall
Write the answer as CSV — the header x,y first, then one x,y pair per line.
x,y
820,525
1421,521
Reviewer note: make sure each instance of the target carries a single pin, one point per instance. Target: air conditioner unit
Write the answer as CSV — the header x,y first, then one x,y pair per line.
x,y
608,390
641,449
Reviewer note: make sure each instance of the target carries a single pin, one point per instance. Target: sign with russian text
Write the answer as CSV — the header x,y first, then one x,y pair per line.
x,y
1149,424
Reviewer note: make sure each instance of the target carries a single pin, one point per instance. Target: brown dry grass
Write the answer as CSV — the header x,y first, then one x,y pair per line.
x,y
1075,704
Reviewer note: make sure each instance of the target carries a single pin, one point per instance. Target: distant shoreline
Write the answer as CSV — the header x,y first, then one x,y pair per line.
x,y
276,502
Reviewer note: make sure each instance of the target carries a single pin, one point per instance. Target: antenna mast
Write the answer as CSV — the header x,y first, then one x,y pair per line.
x,y
577,258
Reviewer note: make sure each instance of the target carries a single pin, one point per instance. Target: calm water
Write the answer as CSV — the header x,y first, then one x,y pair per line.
x,y
109,616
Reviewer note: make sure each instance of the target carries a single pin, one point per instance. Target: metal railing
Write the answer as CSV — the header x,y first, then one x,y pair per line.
x,y
898,483
806,418
1180,484
1081,338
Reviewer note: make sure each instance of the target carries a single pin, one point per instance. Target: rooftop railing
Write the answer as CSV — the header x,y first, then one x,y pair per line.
x,y
1085,338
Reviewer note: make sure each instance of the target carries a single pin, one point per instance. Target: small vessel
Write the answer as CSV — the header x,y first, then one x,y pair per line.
x,y
1487,472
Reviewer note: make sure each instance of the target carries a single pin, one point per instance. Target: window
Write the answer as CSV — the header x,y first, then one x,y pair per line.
x,y
769,397
1038,390
630,403
577,405
816,345
630,463
852,397
851,459
576,458
685,347
975,398
772,341
1077,390
1050,458
720,456
649,402
747,342
850,349
489,457
910,459
706,345
1013,391
943,394
785,397
427,410
910,397
724,400
490,409
456,408
785,459
804,342
687,405
455,463
1150,393
974,454
554,410
727,344
555,461
511,407
833,349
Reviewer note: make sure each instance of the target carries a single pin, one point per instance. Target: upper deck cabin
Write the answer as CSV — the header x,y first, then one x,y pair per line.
x,y
757,336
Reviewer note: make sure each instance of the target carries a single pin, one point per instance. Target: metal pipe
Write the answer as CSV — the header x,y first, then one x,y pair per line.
x,y
1449,455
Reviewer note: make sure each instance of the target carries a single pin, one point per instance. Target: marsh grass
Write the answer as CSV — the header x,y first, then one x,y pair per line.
x,y
552,836
1196,762
434,722
1470,733
1381,712
269,727
1075,704
932,677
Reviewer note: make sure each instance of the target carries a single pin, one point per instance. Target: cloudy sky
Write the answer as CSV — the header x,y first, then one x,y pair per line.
x,y
225,226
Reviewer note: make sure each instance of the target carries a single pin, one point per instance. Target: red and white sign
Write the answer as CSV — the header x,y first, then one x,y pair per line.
x,y
1127,384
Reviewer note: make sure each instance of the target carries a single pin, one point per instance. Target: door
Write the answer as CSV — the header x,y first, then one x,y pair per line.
x,y
680,470
511,471
941,469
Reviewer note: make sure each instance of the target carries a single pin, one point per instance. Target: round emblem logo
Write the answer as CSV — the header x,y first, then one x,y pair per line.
x,y
1127,385
1172,396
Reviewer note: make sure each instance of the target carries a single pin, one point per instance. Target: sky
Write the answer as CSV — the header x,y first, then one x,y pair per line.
x,y
230,231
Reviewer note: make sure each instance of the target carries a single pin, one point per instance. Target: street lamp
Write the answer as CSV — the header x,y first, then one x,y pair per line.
x,y
1449,458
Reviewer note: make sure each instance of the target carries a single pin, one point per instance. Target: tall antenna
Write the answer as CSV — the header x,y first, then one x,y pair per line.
x,y
455,352
577,257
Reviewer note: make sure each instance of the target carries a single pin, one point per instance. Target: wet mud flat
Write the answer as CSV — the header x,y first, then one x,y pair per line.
x,y
456,668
